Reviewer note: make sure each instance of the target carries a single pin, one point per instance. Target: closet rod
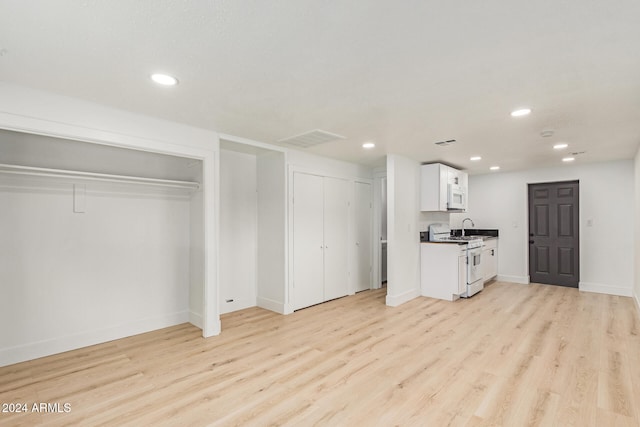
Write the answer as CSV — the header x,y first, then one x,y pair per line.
x,y
123,179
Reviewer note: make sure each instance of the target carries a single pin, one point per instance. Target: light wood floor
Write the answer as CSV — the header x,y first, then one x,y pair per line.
x,y
513,355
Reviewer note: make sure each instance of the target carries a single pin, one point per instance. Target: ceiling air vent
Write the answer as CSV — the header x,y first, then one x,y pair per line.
x,y
445,143
311,138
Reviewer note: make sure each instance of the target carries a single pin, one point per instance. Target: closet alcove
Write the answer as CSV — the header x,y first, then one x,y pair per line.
x,y
96,242
252,237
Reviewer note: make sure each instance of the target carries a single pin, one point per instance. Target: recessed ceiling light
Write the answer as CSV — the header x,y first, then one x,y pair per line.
x,y
560,146
494,168
164,79
368,145
475,158
568,159
521,112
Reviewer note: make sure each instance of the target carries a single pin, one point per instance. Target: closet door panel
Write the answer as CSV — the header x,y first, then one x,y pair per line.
x,y
308,243
336,238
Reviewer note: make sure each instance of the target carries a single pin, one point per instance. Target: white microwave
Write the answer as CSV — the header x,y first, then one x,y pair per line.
x,y
456,197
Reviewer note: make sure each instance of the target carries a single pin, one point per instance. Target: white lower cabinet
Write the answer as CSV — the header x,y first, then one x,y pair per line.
x,y
443,270
320,239
490,259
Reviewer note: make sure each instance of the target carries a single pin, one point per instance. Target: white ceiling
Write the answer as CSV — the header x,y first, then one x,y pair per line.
x,y
403,74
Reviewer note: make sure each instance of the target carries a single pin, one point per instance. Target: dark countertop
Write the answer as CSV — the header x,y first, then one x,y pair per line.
x,y
444,242
485,232
482,237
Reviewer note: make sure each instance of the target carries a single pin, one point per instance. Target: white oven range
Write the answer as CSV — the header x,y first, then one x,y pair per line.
x,y
475,282
436,256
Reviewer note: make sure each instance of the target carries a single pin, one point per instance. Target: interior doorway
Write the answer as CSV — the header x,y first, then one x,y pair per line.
x,y
554,240
363,235
379,229
383,232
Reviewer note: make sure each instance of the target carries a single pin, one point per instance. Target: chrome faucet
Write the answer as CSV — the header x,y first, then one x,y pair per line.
x,y
466,219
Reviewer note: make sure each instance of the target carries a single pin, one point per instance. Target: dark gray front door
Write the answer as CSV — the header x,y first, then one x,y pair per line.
x,y
553,233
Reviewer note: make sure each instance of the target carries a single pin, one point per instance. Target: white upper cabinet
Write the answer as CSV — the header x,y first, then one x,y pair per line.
x,y
443,188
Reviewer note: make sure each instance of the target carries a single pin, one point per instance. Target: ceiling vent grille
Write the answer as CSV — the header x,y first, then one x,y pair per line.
x,y
445,143
311,138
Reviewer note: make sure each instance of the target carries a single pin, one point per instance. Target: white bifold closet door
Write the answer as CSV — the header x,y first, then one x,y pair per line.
x,y
320,239
336,238
308,240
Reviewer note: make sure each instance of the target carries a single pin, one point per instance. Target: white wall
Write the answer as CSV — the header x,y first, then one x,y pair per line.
x,y
272,231
327,166
403,237
606,199
428,218
94,122
238,230
74,279
637,229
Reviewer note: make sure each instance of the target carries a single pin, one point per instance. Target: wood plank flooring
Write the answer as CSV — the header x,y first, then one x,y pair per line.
x,y
513,355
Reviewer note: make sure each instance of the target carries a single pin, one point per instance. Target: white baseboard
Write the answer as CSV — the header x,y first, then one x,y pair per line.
x,y
288,308
30,351
269,304
236,304
196,319
636,298
523,280
604,289
215,329
396,300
